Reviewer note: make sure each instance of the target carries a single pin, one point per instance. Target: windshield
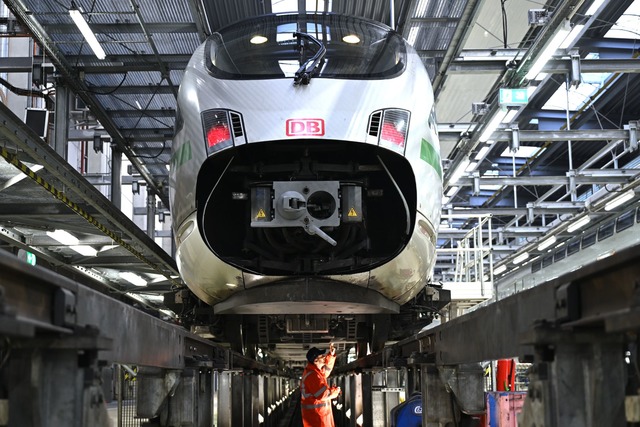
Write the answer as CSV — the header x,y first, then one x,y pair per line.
x,y
268,47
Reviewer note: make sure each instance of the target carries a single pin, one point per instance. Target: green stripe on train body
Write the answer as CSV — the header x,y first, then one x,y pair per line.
x,y
429,154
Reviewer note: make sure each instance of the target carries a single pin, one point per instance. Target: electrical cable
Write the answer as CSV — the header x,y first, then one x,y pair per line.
x,y
155,156
504,23
155,92
112,90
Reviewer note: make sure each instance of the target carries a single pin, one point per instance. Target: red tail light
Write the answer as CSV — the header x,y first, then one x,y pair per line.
x,y
393,131
391,134
217,132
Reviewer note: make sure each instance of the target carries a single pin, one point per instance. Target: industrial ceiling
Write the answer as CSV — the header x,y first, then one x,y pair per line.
x,y
557,157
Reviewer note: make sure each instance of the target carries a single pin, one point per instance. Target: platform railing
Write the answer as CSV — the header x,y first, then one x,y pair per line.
x,y
473,270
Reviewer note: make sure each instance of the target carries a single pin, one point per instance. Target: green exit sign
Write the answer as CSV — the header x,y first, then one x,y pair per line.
x,y
27,256
31,258
513,97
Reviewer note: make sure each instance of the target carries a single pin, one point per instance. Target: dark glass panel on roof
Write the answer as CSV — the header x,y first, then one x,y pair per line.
x,y
265,47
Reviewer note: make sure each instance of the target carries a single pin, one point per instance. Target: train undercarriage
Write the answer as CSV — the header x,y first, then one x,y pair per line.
x,y
260,336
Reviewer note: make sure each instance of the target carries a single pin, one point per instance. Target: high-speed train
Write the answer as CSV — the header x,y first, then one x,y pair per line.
x,y
306,179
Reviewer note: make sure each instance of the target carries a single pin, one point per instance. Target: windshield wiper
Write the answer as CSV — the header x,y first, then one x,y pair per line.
x,y
308,68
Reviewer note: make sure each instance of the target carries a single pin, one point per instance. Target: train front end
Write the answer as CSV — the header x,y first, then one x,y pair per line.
x,y
306,173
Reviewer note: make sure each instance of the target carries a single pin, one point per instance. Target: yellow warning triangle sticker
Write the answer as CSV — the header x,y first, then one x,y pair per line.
x,y
261,214
352,212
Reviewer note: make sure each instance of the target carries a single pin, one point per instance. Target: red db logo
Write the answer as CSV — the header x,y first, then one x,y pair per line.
x,y
305,127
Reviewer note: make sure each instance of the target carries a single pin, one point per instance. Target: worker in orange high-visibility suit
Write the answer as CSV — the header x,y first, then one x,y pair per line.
x,y
315,392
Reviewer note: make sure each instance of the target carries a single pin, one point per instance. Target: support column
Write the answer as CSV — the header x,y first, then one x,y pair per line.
x,y
49,387
205,397
583,385
61,120
413,379
391,396
151,213
436,402
367,398
344,401
267,389
237,400
355,387
224,410
116,176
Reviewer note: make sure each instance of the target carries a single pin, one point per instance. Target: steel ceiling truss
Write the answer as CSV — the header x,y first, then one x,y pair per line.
x,y
73,78
20,137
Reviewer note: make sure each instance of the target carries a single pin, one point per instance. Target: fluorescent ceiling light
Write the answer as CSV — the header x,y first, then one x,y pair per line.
x,y
623,198
82,25
548,51
490,187
579,224
85,250
482,153
545,244
446,200
500,269
521,257
63,237
459,171
573,35
132,278
471,167
594,7
523,151
452,191
492,125
511,114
